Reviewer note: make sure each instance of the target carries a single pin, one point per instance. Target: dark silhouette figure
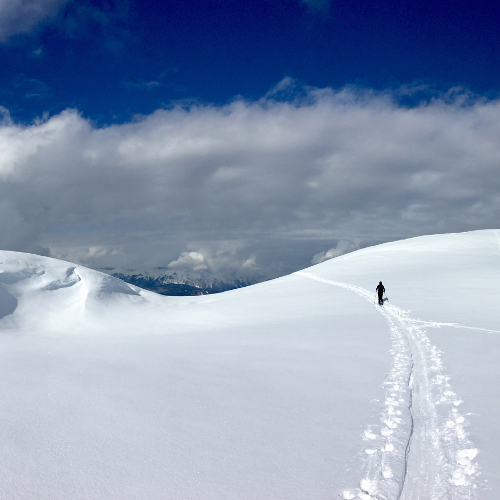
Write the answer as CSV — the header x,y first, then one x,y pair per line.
x,y
380,290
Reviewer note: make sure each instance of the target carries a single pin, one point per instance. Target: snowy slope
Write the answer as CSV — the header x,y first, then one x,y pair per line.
x,y
300,387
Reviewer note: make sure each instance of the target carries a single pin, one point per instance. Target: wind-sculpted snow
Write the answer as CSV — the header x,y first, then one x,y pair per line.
x,y
52,292
71,278
419,449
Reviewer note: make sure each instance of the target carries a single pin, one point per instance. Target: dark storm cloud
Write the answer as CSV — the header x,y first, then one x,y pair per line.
x,y
255,187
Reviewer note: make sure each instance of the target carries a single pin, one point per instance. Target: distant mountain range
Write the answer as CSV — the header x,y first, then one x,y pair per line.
x,y
183,283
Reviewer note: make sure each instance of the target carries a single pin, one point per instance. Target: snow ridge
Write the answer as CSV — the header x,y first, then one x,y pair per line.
x,y
419,449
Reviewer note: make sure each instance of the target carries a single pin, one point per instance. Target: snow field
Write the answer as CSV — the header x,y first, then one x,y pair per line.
x,y
301,387
432,456
117,395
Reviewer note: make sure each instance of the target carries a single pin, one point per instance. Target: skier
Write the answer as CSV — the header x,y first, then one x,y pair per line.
x,y
380,290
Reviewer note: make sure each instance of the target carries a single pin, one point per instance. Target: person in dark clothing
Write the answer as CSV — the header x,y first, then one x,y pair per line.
x,y
380,290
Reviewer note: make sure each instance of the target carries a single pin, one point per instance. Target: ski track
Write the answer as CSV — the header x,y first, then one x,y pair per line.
x,y
419,448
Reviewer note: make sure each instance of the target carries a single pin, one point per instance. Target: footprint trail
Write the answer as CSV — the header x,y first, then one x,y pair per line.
x,y
419,449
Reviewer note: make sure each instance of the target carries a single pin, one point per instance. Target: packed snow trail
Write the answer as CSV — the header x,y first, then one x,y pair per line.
x,y
419,450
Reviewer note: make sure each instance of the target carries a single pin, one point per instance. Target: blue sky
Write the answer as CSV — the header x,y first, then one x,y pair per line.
x,y
114,59
244,139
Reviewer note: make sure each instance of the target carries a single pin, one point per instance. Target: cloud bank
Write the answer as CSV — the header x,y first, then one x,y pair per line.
x,y
254,187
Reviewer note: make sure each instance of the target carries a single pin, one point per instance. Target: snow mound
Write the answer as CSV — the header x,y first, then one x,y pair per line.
x,y
40,292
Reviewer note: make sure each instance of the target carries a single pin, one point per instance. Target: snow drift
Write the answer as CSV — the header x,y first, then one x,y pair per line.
x,y
301,387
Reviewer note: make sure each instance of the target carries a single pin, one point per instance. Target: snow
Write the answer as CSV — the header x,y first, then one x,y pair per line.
x,y
301,387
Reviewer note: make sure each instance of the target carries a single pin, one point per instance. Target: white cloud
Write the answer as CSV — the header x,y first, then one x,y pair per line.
x,y
22,16
250,263
143,85
251,186
190,261
342,248
222,258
